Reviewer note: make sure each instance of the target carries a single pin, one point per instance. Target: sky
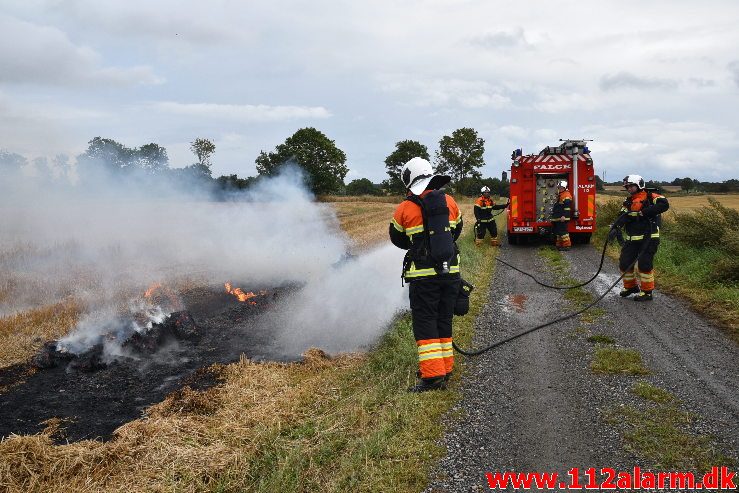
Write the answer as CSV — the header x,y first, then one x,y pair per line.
x,y
654,84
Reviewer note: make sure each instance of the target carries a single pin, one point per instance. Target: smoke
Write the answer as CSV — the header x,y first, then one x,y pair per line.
x,y
346,307
102,239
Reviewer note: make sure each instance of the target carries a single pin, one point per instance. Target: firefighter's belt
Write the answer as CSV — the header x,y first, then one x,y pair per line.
x,y
490,219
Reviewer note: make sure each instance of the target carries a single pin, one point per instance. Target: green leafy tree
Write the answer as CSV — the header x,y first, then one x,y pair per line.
x,y
203,149
109,153
151,158
315,153
460,155
599,184
362,186
405,150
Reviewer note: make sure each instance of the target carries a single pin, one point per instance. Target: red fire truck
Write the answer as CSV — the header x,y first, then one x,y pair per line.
x,y
533,183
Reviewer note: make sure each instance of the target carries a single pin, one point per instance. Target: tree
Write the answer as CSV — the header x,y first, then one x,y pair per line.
x,y
362,186
108,152
599,184
151,158
203,149
405,150
11,161
315,153
460,154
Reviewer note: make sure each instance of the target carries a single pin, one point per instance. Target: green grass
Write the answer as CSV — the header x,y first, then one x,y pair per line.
x,y
618,360
661,433
578,297
601,339
374,436
650,392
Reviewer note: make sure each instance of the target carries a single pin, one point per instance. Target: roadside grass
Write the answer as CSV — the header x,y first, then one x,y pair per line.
x,y
601,339
660,431
697,258
579,298
326,424
608,359
650,392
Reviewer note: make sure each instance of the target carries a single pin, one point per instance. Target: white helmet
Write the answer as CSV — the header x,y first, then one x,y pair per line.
x,y
634,180
417,175
562,183
485,190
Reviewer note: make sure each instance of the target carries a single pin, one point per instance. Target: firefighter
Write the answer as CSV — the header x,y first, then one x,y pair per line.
x,y
561,215
484,207
638,223
432,289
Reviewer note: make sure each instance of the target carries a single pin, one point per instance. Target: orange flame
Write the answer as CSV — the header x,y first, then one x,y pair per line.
x,y
157,294
241,295
152,289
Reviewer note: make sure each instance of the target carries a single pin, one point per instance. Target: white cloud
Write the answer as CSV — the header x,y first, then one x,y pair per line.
x,y
502,40
39,54
444,92
627,80
242,112
734,69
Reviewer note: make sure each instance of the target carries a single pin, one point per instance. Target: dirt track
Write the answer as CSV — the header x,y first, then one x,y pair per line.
x,y
534,405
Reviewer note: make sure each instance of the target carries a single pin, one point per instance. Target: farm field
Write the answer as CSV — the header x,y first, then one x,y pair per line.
x,y
682,203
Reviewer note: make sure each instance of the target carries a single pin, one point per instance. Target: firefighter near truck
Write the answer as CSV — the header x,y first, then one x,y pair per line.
x,y
533,192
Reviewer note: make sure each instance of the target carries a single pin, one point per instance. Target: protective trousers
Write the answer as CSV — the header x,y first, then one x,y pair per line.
x,y
481,227
562,236
432,308
645,263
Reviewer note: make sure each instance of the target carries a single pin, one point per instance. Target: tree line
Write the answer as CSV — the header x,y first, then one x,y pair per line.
x,y
459,155
323,163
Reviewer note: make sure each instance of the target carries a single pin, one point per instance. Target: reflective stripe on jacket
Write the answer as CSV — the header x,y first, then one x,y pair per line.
x,y
563,207
484,208
406,232
641,215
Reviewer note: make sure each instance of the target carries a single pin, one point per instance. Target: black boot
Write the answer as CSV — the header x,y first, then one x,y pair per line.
x,y
426,384
643,296
626,292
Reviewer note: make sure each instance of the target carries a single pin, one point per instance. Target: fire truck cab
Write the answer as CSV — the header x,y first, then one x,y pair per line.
x,y
533,191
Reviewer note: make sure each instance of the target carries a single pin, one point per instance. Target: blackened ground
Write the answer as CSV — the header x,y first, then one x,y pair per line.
x,y
534,405
92,404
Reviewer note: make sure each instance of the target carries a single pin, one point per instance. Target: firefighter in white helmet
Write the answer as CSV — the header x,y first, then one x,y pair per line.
x,y
485,221
561,215
427,224
639,223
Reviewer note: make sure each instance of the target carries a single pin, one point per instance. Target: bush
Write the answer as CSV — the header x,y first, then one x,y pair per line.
x,y
713,226
710,226
608,212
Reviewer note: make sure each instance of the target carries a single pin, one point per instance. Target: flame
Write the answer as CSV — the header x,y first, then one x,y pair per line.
x,y
150,291
241,295
157,294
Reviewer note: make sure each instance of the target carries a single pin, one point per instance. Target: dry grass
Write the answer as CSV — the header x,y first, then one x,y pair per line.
x,y
23,334
366,223
187,442
682,203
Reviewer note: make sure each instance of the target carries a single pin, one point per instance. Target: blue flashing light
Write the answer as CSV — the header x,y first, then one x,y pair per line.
x,y
585,150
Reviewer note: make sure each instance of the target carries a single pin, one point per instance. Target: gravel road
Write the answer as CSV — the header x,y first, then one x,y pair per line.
x,y
533,405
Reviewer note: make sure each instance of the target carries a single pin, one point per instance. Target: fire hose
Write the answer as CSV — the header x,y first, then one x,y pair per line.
x,y
571,315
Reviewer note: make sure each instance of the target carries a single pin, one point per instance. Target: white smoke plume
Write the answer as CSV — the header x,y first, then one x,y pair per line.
x,y
104,240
